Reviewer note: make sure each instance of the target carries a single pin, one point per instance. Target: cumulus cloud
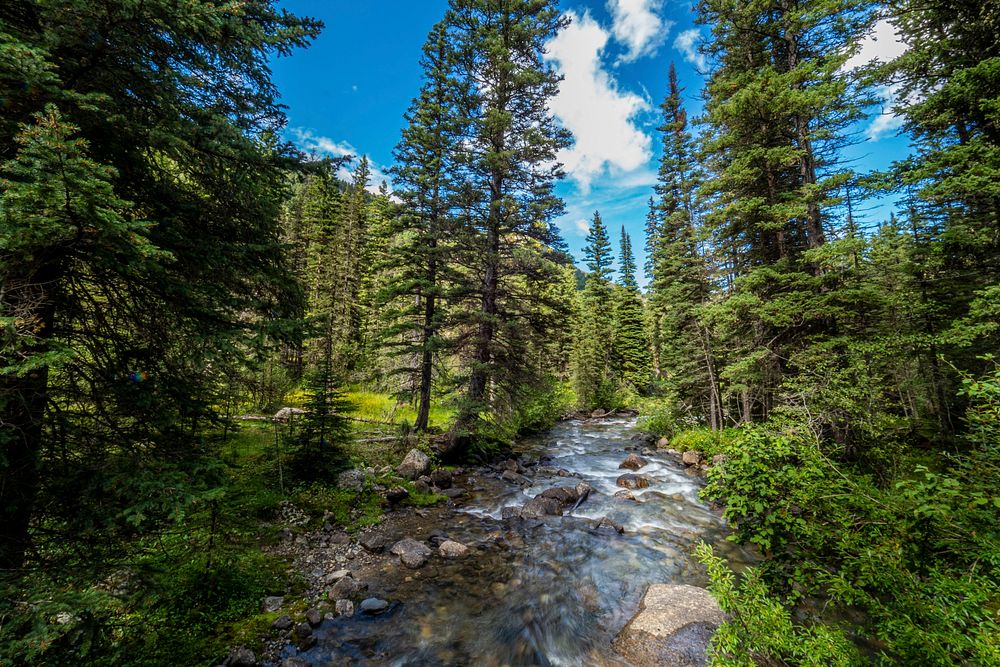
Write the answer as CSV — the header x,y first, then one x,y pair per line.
x,y
310,142
591,105
881,45
636,24
687,44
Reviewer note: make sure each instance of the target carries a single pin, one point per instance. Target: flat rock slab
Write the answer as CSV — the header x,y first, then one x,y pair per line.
x,y
672,629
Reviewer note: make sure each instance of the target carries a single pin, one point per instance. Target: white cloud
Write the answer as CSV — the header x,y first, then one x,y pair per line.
x,y
582,226
883,44
637,25
310,142
590,104
687,44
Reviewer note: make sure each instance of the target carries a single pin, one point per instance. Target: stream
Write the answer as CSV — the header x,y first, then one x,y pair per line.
x,y
550,591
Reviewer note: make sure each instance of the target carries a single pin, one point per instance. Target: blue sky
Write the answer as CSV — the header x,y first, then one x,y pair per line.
x,y
347,93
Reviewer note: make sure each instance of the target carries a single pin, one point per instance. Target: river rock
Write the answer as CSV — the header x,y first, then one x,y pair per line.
x,y
415,464
663,443
441,478
241,656
513,464
672,629
295,661
597,414
633,462
413,554
511,512
334,577
514,478
625,494
352,480
302,630
691,457
272,603
313,617
373,606
452,549
538,507
567,495
283,622
456,492
396,495
345,588
420,486
344,608
374,541
632,481
608,526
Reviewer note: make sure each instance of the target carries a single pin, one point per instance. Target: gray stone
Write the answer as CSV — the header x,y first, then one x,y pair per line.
x,y
420,486
413,554
397,494
607,525
514,478
285,414
373,606
691,457
295,661
344,608
241,656
345,588
633,481
272,603
538,507
334,577
374,541
567,495
663,443
352,480
625,494
452,549
283,622
673,627
314,617
302,630
512,512
415,464
633,462
441,478
456,492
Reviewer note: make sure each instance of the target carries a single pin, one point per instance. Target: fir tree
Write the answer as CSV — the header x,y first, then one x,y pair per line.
x,y
593,374
631,351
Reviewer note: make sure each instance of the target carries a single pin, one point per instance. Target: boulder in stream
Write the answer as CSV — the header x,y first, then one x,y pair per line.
x,y
672,629
633,462
373,606
691,457
538,507
441,478
632,481
413,554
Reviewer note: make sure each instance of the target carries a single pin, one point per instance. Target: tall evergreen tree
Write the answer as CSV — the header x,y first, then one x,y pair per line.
x,y
510,168
425,177
631,347
175,104
593,375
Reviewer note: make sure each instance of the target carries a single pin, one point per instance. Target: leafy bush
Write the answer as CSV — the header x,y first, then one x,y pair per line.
x,y
705,440
760,630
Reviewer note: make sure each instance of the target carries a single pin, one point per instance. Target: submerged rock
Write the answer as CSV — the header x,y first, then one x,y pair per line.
x,y
344,608
633,462
606,525
413,554
415,464
672,629
633,481
373,606
452,549
625,494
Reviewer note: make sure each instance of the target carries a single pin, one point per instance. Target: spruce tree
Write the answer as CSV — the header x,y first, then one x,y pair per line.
x,y
508,234
631,347
593,350
425,178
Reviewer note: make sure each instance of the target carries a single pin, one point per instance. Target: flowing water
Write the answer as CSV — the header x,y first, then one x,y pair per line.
x,y
536,592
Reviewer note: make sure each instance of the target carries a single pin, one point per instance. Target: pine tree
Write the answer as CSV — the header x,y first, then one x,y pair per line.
x,y
425,175
593,350
508,232
631,351
176,102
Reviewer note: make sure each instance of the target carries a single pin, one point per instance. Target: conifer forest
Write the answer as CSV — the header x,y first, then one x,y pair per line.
x,y
262,404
